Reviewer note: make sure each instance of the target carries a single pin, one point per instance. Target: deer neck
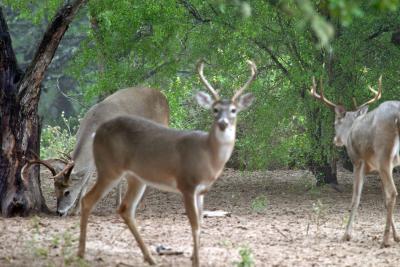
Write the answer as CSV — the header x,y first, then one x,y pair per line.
x,y
347,133
221,144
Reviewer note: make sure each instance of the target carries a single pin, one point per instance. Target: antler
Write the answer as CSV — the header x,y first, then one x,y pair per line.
x,y
36,160
65,173
321,97
378,94
200,67
65,157
253,71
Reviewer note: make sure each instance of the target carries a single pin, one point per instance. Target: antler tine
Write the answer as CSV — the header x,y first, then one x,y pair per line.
x,y
200,67
67,170
378,94
37,160
321,96
65,157
253,71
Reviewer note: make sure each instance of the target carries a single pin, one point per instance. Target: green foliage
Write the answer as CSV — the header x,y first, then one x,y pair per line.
x,y
246,258
317,215
177,94
285,127
259,204
36,11
157,43
56,140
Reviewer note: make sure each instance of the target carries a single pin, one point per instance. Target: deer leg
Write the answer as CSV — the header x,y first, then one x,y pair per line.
x,y
199,203
395,235
390,194
355,201
77,208
192,212
102,186
118,195
127,210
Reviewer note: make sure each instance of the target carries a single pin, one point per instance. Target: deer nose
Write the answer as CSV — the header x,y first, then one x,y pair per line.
x,y
337,141
222,124
61,214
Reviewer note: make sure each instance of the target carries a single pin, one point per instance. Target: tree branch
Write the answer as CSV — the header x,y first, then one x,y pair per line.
x,y
193,11
9,69
259,44
273,56
381,30
29,87
156,69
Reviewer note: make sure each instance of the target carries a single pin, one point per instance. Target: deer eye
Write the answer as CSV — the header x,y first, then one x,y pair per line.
x,y
215,110
66,193
233,111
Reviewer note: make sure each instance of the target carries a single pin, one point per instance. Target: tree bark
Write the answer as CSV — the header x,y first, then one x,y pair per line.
x,y
324,170
322,166
324,173
19,122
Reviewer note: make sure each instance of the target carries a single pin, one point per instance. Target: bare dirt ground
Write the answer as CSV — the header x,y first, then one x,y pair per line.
x,y
279,217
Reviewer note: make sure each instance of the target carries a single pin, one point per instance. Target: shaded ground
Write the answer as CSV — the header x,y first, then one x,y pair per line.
x,y
277,216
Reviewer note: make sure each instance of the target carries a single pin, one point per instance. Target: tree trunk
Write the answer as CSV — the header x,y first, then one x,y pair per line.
x,y
19,123
324,173
321,164
325,168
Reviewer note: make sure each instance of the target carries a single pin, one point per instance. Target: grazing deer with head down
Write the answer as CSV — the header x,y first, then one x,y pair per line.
x,y
372,143
186,162
71,175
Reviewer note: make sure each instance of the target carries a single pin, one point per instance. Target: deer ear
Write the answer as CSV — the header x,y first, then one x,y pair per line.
x,y
340,111
245,101
361,111
204,100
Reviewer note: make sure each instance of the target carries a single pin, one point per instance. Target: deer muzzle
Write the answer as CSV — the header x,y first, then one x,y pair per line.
x,y
222,124
337,141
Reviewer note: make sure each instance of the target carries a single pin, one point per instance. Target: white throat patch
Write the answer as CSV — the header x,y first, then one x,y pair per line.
x,y
226,139
226,136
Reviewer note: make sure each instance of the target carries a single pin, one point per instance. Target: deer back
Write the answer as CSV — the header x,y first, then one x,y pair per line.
x,y
142,101
162,155
374,136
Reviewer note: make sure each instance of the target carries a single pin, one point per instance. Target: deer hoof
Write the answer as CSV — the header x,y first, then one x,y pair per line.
x,y
385,244
396,238
346,237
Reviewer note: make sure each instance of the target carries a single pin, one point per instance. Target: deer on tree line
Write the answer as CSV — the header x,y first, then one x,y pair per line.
x,y
71,176
372,143
185,162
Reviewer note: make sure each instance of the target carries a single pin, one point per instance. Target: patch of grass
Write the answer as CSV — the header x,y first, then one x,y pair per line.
x,y
33,244
315,192
246,257
259,204
345,219
63,244
317,215
226,243
305,183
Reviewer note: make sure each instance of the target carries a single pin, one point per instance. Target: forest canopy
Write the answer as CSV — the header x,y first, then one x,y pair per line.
x,y
118,44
